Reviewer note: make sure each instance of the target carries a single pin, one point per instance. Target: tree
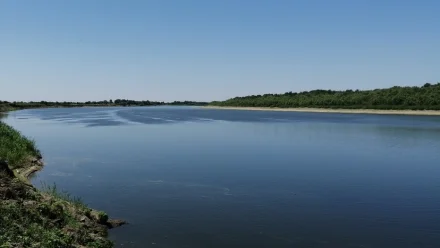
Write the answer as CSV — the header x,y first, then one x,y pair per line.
x,y
424,97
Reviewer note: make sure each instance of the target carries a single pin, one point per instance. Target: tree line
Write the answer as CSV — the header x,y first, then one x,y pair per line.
x,y
426,97
6,106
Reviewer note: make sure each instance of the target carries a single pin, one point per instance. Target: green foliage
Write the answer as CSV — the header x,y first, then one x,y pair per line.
x,y
14,147
187,103
45,225
8,106
48,221
103,217
24,227
4,107
62,195
426,97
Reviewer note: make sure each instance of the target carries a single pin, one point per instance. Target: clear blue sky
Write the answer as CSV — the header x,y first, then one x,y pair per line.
x,y
212,50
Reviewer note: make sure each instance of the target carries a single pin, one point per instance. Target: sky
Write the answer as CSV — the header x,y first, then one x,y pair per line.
x,y
203,50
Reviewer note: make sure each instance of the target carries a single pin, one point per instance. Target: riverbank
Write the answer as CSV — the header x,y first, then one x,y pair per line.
x,y
42,218
340,111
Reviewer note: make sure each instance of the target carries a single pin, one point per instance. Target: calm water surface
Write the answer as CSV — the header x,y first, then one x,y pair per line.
x,y
199,178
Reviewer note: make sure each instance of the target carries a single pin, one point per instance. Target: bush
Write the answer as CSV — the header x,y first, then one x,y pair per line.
x,y
426,97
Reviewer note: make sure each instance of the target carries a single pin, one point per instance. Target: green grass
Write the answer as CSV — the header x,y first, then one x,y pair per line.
x,y
48,218
15,148
43,225
21,226
62,195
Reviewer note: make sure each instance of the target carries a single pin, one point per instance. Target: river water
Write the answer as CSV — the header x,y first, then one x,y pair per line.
x,y
198,178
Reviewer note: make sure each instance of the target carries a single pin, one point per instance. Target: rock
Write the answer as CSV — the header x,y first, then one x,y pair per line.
x,y
99,217
102,219
29,203
57,222
115,223
83,218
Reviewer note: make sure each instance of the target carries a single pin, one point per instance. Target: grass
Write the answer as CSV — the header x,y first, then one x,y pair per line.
x,y
62,195
43,225
15,148
21,226
47,219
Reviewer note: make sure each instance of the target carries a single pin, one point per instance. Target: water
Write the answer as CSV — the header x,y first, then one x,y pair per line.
x,y
192,177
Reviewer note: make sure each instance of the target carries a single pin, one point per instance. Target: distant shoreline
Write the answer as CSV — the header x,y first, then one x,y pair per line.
x,y
340,111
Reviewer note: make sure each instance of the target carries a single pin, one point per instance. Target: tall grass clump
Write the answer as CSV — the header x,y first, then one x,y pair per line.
x,y
44,224
21,226
62,195
15,148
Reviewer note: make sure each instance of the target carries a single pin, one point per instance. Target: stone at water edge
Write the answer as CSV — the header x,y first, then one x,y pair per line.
x,y
115,223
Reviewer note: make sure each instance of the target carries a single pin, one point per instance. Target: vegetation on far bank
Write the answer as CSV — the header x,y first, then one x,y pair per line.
x,y
8,106
5,107
48,218
426,97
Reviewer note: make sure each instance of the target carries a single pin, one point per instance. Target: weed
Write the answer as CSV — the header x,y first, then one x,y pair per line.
x,y
23,227
63,195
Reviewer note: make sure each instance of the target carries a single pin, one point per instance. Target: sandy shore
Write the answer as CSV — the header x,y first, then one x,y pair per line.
x,y
343,111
